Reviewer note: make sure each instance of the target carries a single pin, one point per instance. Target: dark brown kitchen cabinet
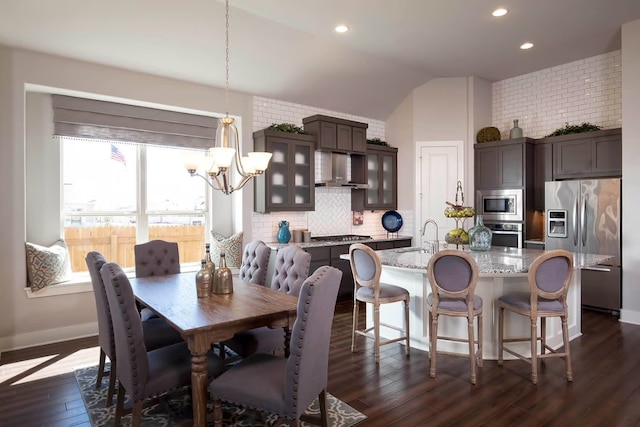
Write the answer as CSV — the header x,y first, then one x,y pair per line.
x,y
501,164
288,182
380,167
402,243
334,134
543,172
319,256
587,155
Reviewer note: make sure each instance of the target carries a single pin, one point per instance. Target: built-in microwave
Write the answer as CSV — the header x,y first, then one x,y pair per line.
x,y
500,205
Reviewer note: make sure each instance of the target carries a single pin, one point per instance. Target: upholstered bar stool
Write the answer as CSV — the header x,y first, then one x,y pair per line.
x,y
366,268
453,276
549,280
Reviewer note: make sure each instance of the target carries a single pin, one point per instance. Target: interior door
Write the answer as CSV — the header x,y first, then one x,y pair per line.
x,y
440,165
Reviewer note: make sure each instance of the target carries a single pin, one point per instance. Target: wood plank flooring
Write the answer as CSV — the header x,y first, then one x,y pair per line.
x,y
37,386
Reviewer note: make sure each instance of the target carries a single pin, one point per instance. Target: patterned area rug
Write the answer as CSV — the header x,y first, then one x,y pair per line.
x,y
174,410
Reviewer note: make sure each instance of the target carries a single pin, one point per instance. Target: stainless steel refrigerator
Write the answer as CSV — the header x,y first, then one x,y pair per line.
x,y
584,216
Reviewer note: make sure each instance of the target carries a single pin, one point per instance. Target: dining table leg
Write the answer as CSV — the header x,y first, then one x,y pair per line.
x,y
199,378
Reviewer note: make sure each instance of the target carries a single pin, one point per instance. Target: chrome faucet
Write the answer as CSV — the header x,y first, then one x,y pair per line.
x,y
434,246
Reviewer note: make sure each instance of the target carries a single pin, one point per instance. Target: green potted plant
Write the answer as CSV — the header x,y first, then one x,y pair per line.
x,y
569,129
286,127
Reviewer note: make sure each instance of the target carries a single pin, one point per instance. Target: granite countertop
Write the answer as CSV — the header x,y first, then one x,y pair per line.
x,y
314,244
498,260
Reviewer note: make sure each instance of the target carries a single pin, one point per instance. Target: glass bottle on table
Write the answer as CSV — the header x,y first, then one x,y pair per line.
x,y
223,281
203,281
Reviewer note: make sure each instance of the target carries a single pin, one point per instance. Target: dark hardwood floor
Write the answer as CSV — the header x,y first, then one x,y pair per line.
x,y
398,392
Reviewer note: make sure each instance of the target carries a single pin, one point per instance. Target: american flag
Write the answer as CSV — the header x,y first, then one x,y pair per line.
x,y
117,155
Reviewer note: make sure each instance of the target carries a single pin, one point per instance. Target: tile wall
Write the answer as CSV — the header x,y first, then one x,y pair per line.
x,y
333,214
588,90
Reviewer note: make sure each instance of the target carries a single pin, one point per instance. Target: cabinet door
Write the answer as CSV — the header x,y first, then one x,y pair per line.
x,y
373,180
388,181
327,137
346,284
542,173
511,166
607,155
384,245
572,158
487,173
319,257
278,176
359,140
303,187
405,243
344,137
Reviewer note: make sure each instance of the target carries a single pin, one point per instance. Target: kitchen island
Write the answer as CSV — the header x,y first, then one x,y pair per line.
x,y
502,270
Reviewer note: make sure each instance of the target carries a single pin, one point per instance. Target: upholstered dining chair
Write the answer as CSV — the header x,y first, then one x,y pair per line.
x,y
286,386
155,258
156,332
143,374
255,261
290,271
366,268
453,276
549,280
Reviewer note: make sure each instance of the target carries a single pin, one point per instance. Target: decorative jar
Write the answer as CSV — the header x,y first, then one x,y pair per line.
x,y
480,236
284,235
516,131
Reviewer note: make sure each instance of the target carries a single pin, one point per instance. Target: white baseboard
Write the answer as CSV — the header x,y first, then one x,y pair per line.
x,y
48,336
630,316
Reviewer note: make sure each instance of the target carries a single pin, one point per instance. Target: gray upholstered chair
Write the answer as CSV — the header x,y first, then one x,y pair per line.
x,y
157,333
290,271
155,258
143,374
453,276
255,261
286,386
366,268
549,279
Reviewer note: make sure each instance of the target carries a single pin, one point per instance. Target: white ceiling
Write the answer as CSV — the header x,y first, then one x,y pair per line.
x,y
286,49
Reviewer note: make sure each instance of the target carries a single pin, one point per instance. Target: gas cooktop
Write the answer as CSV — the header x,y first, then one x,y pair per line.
x,y
341,238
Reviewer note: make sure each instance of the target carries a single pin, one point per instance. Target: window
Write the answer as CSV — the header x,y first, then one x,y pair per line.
x,y
119,194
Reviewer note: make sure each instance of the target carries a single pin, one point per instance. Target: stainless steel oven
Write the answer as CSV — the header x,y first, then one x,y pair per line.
x,y
507,234
500,205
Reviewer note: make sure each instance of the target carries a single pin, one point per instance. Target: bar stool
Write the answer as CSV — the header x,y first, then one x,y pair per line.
x,y
453,276
366,268
549,280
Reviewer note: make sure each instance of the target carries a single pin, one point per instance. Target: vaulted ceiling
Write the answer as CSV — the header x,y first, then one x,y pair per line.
x,y
287,49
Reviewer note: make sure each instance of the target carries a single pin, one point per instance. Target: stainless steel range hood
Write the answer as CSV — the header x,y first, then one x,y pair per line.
x,y
331,170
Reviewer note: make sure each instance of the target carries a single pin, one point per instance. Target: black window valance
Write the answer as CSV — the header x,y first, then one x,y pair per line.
x,y
93,119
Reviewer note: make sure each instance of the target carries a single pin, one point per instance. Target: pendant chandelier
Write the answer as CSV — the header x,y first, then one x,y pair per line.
x,y
221,159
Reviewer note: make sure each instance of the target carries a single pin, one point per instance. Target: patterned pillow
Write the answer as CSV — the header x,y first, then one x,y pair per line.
x,y
47,266
231,246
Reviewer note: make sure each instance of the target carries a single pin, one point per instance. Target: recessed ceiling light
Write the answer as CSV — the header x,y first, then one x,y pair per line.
x,y
341,29
526,45
499,12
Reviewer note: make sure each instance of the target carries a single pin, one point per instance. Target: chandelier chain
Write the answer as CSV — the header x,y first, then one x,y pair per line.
x,y
226,88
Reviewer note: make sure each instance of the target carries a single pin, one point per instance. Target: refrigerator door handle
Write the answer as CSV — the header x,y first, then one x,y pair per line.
x,y
575,223
603,269
583,221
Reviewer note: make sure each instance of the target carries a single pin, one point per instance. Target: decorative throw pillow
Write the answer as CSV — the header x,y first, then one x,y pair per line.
x,y
47,265
231,246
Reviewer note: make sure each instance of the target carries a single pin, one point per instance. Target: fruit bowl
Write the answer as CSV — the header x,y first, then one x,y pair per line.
x,y
458,211
457,236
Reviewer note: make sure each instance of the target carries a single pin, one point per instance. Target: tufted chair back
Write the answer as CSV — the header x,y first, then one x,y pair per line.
x,y
290,270
131,352
95,261
156,258
255,260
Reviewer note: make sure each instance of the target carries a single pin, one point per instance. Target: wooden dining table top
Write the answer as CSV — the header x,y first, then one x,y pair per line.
x,y
174,298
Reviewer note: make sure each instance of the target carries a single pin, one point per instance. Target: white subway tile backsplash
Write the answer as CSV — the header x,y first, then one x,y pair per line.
x,y
586,90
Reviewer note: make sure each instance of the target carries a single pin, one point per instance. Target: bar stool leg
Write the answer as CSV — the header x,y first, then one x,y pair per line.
x,y
376,329
480,340
567,348
433,338
534,351
472,345
500,336
355,324
406,325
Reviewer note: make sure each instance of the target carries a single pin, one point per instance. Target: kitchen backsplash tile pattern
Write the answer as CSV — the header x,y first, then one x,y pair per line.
x,y
332,215
588,90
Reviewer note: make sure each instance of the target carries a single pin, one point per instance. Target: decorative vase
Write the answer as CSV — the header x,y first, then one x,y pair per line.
x,y
516,131
480,236
284,235
203,281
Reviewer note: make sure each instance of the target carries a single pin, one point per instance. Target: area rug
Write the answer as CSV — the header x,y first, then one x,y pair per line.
x,y
176,410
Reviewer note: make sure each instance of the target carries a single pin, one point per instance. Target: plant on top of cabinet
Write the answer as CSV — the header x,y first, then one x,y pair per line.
x,y
377,141
569,129
286,127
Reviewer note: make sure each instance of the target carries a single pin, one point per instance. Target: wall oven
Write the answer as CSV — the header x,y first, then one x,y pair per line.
x,y
507,234
500,205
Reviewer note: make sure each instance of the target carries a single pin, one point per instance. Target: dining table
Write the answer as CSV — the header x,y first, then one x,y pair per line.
x,y
203,322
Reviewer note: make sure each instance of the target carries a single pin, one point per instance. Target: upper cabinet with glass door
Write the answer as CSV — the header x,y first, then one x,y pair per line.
x,y
381,171
288,182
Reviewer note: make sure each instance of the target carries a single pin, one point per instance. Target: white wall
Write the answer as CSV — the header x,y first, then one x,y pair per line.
x,y
24,321
631,172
